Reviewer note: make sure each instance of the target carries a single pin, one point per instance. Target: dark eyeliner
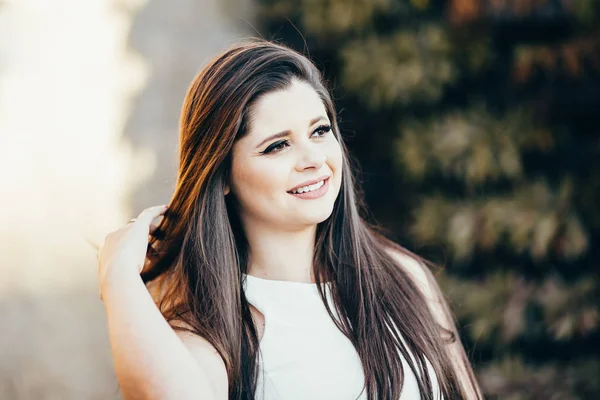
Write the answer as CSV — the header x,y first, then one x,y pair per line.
x,y
325,128
273,146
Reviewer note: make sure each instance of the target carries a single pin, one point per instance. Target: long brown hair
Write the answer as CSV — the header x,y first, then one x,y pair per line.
x,y
201,251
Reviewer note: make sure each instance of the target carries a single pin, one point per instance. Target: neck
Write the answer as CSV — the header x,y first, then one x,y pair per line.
x,y
282,255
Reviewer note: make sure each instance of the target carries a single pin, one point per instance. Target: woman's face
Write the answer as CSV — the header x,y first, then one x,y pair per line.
x,y
289,145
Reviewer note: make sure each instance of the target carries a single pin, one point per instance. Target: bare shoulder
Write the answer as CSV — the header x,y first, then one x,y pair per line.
x,y
417,271
206,356
427,285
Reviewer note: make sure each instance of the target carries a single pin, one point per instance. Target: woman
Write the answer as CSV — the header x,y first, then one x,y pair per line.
x,y
263,280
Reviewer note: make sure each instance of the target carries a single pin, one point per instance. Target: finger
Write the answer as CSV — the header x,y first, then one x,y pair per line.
x,y
149,214
156,221
153,212
154,224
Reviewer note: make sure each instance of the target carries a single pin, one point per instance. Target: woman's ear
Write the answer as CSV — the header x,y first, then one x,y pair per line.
x,y
227,190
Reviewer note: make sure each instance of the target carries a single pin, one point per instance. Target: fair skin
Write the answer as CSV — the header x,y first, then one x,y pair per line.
x,y
280,229
162,364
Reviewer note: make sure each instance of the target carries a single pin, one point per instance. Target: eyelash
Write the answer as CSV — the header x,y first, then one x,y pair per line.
x,y
275,147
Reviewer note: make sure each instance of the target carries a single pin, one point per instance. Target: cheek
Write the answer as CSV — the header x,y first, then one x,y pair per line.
x,y
335,158
255,182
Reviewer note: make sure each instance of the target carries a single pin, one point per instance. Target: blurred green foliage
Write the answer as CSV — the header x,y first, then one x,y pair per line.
x,y
476,126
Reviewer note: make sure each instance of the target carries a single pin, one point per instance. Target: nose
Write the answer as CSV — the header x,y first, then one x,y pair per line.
x,y
311,157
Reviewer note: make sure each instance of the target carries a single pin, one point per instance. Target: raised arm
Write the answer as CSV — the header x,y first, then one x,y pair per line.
x,y
438,306
151,360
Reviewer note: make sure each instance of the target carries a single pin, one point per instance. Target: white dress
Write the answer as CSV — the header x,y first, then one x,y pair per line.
x,y
303,355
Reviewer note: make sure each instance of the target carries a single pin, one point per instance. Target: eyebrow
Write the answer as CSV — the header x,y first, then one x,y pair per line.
x,y
287,131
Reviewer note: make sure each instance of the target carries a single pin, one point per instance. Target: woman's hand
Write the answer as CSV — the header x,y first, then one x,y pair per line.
x,y
124,251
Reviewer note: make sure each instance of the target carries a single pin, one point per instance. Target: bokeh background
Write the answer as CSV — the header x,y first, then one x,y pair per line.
x,y
475,123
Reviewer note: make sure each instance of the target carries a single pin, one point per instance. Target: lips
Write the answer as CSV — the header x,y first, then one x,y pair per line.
x,y
307,183
313,194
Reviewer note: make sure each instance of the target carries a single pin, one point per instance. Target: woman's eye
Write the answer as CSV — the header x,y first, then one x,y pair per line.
x,y
275,147
323,130
278,146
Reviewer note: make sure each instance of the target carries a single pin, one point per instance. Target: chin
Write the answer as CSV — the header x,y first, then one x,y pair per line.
x,y
318,217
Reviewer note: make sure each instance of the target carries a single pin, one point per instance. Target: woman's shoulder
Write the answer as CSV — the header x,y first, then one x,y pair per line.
x,y
416,269
421,275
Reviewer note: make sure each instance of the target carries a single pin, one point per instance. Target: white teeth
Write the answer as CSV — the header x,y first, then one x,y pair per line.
x,y
309,188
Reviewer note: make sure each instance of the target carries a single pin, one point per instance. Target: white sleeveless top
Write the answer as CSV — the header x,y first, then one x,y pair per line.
x,y
303,355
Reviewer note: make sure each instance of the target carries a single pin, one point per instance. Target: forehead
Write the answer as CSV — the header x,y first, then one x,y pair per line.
x,y
285,109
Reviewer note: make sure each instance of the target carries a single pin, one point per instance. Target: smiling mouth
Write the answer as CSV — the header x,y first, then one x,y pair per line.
x,y
309,188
